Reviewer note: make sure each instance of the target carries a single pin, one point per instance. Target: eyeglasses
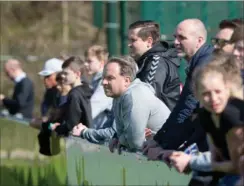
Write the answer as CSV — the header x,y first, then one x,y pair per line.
x,y
220,42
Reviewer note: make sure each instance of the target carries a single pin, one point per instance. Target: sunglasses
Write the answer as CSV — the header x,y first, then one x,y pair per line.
x,y
220,42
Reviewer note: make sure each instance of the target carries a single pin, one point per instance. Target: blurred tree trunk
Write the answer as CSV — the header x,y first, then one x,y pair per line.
x,y
65,13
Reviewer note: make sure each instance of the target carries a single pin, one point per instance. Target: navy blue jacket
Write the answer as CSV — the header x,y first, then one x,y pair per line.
x,y
51,100
178,128
22,100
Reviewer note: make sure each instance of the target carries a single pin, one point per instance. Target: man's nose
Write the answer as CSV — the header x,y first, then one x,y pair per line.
x,y
213,97
104,82
176,41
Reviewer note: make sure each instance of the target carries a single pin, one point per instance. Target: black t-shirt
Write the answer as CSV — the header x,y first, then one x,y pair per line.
x,y
232,116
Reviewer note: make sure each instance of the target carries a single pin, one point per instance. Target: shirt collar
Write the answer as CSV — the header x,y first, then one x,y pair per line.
x,y
19,77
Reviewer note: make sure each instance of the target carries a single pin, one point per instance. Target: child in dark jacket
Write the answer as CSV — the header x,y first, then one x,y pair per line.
x,y
77,108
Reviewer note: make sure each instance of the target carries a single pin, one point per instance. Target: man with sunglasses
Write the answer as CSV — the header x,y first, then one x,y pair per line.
x,y
221,41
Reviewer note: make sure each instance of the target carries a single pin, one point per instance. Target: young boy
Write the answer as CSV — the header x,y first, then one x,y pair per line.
x,y
77,107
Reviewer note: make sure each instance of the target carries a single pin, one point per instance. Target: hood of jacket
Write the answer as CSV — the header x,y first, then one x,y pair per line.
x,y
161,48
83,89
136,83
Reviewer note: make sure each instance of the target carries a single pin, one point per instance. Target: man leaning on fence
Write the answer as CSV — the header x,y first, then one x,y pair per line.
x,y
135,107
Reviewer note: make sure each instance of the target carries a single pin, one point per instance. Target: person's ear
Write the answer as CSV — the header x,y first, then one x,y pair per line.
x,y
200,41
127,81
78,73
149,42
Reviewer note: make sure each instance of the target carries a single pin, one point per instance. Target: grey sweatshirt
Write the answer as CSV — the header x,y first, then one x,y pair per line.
x,y
138,108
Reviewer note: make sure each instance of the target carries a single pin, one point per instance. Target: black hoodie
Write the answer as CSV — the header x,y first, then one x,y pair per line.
x,y
77,109
159,67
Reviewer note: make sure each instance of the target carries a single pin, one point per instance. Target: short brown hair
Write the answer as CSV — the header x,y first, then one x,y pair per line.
x,y
75,63
128,66
238,34
233,23
148,29
99,51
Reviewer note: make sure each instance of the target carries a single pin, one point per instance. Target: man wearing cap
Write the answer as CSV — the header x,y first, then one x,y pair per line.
x,y
22,102
52,95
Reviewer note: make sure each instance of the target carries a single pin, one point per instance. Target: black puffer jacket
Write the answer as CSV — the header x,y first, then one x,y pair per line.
x,y
159,67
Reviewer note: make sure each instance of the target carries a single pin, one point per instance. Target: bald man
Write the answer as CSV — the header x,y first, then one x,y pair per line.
x,y
180,131
22,101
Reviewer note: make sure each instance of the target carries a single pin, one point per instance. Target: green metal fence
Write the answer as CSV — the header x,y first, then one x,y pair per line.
x,y
168,14
80,163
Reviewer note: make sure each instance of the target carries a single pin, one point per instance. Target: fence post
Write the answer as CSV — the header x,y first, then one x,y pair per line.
x,y
112,27
123,28
97,13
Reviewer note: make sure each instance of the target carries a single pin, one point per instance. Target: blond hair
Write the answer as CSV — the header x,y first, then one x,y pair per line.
x,y
98,51
226,65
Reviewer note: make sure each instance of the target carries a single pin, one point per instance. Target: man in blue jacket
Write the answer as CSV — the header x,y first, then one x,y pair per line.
x,y
190,42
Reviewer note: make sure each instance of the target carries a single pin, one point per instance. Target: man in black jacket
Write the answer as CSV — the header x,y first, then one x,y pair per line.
x,y
157,61
22,101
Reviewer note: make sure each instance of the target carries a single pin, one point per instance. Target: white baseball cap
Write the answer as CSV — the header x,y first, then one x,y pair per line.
x,y
51,66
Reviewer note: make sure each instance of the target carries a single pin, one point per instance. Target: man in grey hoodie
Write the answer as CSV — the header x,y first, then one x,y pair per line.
x,y
135,106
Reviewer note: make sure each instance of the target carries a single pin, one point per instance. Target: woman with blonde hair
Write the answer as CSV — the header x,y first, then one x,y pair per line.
x,y
220,91
216,85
